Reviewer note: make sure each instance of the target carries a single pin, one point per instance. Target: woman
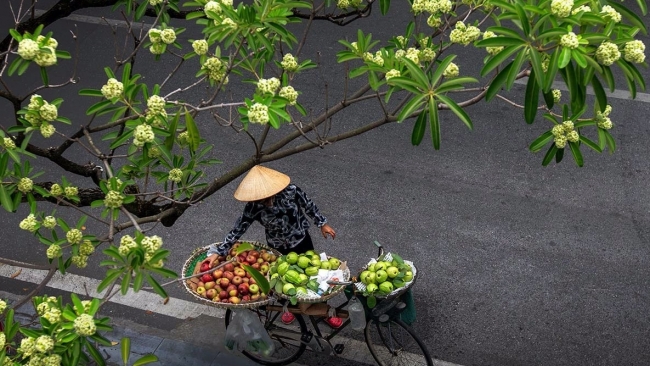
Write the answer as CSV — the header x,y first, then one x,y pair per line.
x,y
282,209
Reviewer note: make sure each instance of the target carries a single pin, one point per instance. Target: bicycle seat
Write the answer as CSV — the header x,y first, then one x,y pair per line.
x,y
385,306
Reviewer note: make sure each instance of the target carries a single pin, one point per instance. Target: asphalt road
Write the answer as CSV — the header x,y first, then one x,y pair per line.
x,y
521,264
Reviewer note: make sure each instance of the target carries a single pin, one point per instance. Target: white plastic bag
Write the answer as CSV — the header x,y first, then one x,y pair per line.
x,y
234,333
256,339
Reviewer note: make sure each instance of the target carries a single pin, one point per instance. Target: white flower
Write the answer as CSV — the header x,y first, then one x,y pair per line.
x,y
157,48
53,315
289,63
392,73
154,35
212,6
569,40
56,190
3,340
25,185
289,93
53,251
268,86
175,175
74,236
27,346
47,130
114,199
3,307
581,9
560,142
112,89
573,136
143,134
51,42
427,54
611,13
568,126
451,71
561,8
47,58
155,2
55,360
634,51
258,113
463,34
557,130
168,35
48,112
152,243
557,94
215,68
200,46
29,223
44,344
84,325
413,54
378,59
491,50
607,53
71,192
28,49
81,261
434,21
86,248
9,143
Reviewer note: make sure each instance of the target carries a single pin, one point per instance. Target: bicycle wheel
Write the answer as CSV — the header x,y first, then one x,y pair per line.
x,y
286,338
394,343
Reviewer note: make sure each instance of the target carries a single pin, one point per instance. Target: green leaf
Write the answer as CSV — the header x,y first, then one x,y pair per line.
x,y
536,61
458,111
418,75
497,83
156,287
91,93
243,247
599,91
293,299
5,199
611,143
77,303
500,41
384,5
126,281
15,65
410,107
418,129
94,353
541,141
564,58
643,6
549,155
440,69
261,280
523,18
125,348
579,58
498,59
577,155
532,99
193,131
108,280
514,71
44,78
434,123
97,107
76,352
609,78
590,143
17,36
559,155
371,301
145,360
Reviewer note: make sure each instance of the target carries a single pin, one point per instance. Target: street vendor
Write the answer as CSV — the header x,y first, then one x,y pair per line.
x,y
281,208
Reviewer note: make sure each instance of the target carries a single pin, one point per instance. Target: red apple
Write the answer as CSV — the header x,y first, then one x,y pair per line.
x,y
251,281
243,288
210,285
236,280
240,272
223,294
200,284
253,289
245,279
224,282
246,298
225,301
234,300
206,278
228,275
211,293
231,287
256,266
229,267
217,274
201,291
250,259
232,293
205,266
248,275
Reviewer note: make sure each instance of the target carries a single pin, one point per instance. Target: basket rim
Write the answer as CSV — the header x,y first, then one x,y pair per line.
x,y
248,305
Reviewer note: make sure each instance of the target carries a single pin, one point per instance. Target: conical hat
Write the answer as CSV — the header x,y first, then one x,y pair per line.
x,y
260,183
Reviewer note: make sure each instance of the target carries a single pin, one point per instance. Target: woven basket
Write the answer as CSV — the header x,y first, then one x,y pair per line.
x,y
313,300
360,286
198,252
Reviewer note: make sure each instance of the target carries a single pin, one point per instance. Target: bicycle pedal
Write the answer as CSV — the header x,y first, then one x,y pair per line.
x,y
306,337
338,348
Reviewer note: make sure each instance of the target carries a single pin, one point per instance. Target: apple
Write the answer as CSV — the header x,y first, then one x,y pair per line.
x,y
392,271
256,266
381,276
224,282
255,297
250,259
254,253
234,293
211,293
234,300
264,268
229,275
201,291
217,274
245,279
205,266
206,278
226,301
253,289
248,275
236,280
240,272
241,258
223,294
200,284
243,288
229,267
231,287
273,258
266,256
210,285
228,257
260,260
246,298
251,281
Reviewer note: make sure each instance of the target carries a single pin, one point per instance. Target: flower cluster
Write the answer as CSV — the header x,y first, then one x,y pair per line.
x,y
258,113
431,6
42,51
142,135
610,13
74,236
413,54
344,4
160,38
200,46
47,130
557,95
216,70
392,73
268,86
434,21
9,144
491,50
54,251
289,63
561,8
175,175
151,243
451,71
603,120
463,34
569,40
581,9
3,307
39,113
49,222
634,51
56,190
70,192
154,152
3,340
183,138
212,6
155,109
25,185
49,310
44,344
427,54
84,325
289,93
607,53
28,49
155,2
564,132
113,199
29,223
127,243
112,89
81,261
86,247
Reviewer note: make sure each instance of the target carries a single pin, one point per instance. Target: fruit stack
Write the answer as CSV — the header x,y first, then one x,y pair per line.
x,y
231,283
304,276
386,276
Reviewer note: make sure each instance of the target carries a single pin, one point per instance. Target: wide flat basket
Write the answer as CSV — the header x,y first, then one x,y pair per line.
x,y
396,292
199,254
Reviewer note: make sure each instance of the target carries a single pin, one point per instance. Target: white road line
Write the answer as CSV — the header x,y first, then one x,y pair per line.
x,y
617,94
178,308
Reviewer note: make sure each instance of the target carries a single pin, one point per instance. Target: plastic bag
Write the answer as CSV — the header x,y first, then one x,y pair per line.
x,y
246,333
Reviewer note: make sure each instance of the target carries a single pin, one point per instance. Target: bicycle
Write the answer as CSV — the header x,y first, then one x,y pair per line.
x,y
389,339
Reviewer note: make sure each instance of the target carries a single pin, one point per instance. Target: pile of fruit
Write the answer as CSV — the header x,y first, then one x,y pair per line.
x,y
382,277
294,274
232,283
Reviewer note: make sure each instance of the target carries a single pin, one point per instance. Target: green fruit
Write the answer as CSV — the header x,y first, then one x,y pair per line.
x,y
288,289
303,279
309,253
364,277
301,290
281,260
273,269
381,276
275,275
408,276
370,278
315,262
392,271
371,288
325,265
303,262
394,263
283,268
334,262
292,258
386,287
398,283
292,276
311,271
371,267
380,266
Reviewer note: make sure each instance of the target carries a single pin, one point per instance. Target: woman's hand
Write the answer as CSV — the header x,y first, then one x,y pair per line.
x,y
327,230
